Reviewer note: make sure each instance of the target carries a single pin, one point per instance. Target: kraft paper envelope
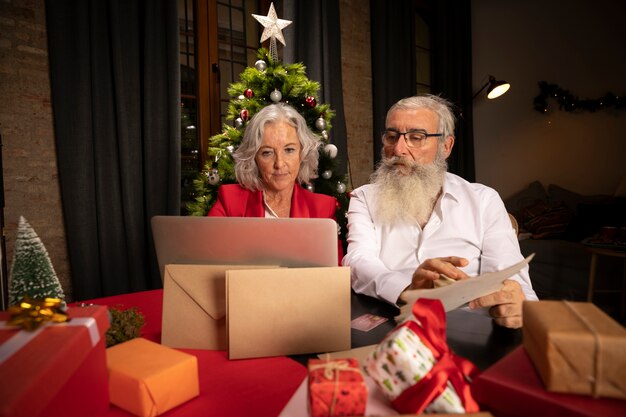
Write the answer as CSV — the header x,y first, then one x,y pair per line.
x,y
287,311
194,306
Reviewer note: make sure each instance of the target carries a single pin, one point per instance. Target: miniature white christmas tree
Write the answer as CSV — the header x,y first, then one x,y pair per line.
x,y
32,273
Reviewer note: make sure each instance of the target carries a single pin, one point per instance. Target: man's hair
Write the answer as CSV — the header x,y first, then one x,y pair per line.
x,y
440,106
246,170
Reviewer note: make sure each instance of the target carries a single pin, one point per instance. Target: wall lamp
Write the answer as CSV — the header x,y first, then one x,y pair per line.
x,y
496,88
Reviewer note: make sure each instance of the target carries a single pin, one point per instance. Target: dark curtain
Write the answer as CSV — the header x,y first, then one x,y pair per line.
x,y
314,38
115,95
452,77
393,59
393,66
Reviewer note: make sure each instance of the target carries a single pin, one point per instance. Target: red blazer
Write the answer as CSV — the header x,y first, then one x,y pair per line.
x,y
235,201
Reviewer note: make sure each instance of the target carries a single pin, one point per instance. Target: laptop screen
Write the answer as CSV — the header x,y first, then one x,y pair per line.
x,y
289,242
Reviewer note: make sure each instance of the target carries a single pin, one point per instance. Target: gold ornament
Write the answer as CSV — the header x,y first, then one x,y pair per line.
x,y
31,313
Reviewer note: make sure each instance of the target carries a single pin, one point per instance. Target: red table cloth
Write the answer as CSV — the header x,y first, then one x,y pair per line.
x,y
259,387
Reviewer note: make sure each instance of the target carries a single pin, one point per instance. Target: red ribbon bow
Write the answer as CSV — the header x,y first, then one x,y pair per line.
x,y
459,371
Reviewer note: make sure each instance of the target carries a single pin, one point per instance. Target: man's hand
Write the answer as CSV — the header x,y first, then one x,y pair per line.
x,y
431,269
505,306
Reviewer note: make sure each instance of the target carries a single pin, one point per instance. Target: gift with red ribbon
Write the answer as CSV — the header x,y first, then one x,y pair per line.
x,y
56,366
417,371
336,388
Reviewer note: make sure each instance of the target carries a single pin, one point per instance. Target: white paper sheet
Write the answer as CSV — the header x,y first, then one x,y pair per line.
x,y
463,291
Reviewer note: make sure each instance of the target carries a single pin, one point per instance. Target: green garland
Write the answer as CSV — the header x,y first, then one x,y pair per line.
x,y
571,103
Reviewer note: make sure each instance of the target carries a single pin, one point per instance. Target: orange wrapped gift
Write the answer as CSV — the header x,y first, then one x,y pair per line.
x,y
336,388
148,379
58,369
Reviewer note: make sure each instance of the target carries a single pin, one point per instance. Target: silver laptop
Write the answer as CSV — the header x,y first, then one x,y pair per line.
x,y
244,240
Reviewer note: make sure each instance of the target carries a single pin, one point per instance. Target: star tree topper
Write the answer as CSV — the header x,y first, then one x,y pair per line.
x,y
273,27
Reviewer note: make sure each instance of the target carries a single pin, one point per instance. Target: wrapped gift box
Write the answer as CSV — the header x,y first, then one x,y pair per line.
x,y
148,379
336,388
60,370
416,370
512,388
576,348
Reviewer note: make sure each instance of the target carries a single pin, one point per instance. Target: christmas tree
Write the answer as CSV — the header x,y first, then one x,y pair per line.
x,y
31,273
268,82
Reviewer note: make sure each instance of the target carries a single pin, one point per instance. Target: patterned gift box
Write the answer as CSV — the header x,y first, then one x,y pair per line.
x,y
336,388
59,369
415,369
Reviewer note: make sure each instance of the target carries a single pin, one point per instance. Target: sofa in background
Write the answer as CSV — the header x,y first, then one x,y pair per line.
x,y
553,223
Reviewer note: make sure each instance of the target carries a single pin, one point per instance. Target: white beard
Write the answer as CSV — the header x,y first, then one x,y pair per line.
x,y
407,190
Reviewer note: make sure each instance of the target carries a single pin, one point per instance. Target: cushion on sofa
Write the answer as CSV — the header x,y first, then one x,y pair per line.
x,y
547,221
529,196
559,213
560,195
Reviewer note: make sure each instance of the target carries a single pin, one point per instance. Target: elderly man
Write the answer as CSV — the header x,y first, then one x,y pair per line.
x,y
416,222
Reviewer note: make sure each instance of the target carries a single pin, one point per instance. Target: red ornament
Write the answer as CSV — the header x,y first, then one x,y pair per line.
x,y
244,115
248,93
310,102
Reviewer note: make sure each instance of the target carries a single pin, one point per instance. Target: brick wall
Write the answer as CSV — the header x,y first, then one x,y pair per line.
x,y
31,184
357,87
29,159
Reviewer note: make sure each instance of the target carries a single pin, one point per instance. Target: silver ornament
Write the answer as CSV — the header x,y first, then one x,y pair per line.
x,y
260,65
241,97
214,176
230,149
341,187
327,174
276,96
238,122
331,150
325,134
320,124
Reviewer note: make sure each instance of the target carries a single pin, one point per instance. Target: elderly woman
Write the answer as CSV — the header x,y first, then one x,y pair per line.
x,y
278,153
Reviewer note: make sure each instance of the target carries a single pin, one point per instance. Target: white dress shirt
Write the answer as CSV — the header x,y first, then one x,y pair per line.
x,y
468,221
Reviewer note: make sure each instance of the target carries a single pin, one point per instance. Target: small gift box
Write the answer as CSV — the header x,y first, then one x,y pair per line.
x,y
148,379
416,370
57,369
576,348
336,388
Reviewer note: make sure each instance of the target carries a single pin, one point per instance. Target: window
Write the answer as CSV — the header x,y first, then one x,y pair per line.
x,y
218,40
423,60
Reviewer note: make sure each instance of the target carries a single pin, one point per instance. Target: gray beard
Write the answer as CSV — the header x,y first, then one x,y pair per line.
x,y
407,190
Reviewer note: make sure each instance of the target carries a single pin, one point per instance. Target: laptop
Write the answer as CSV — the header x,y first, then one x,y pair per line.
x,y
292,242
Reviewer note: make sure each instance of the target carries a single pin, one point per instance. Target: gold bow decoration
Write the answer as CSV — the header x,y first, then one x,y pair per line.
x,y
31,313
333,368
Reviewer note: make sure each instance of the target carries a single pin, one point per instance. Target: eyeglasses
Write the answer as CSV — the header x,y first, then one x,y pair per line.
x,y
414,138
